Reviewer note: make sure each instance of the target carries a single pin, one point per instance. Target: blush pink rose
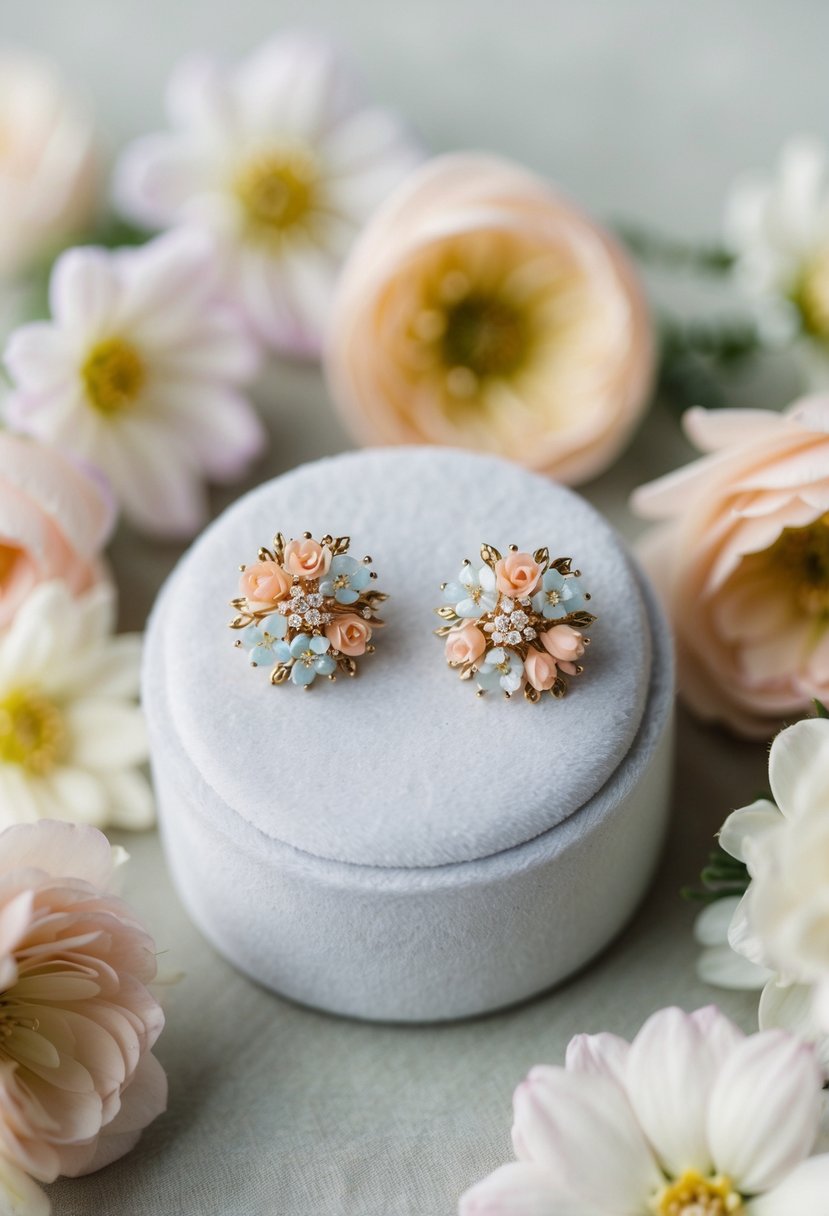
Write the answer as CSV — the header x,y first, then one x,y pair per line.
x,y
517,574
741,558
565,644
479,309
78,1082
465,645
540,669
349,634
307,558
265,583
54,522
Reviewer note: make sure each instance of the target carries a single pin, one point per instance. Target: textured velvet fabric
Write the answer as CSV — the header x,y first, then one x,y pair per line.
x,y
424,940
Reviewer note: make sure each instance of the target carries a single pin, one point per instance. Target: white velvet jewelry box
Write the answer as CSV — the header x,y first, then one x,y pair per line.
x,y
392,847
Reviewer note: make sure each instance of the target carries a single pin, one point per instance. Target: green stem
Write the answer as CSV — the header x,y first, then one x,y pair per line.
x,y
670,253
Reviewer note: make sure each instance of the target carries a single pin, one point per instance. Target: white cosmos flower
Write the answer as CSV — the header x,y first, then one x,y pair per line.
x,y
693,1118
779,230
138,373
280,158
72,738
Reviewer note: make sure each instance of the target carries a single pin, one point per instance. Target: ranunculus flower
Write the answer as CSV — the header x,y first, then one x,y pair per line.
x,y
517,574
481,310
464,645
742,561
280,158
48,178
349,634
54,521
265,583
307,558
541,670
78,1082
73,741
565,644
693,1118
139,373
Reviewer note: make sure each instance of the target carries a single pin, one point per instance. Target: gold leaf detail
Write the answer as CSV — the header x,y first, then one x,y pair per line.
x,y
490,555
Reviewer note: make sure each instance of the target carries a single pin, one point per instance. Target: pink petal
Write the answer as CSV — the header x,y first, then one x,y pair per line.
x,y
58,849
605,1054
519,1189
85,295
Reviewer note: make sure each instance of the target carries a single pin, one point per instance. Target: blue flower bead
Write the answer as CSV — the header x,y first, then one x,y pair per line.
x,y
558,596
345,579
310,659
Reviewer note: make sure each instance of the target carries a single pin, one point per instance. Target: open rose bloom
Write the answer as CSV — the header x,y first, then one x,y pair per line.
x,y
481,310
78,1081
741,557
693,1118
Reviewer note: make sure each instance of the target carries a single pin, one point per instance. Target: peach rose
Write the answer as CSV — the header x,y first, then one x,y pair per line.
x,y
565,644
540,669
307,558
480,310
78,1081
349,634
742,561
54,522
517,574
265,583
465,645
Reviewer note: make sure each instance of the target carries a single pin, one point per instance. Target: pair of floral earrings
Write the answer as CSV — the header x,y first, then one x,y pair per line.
x,y
306,608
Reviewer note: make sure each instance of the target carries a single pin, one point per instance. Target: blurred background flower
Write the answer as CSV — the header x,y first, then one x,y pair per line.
x,y
480,310
139,373
48,162
55,519
72,737
283,161
78,1081
741,559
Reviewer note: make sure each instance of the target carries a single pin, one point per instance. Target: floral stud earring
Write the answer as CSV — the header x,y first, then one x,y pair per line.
x,y
307,609
515,622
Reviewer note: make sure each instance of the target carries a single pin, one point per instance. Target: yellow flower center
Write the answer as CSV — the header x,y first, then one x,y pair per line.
x,y
277,191
113,376
483,336
341,582
802,556
694,1195
811,296
32,732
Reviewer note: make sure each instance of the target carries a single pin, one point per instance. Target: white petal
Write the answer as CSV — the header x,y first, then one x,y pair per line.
x,y
765,1109
724,968
131,800
799,765
38,358
741,935
106,734
670,1075
745,827
605,1054
61,850
805,1192
581,1128
217,426
79,794
793,1007
19,1194
85,294
519,1189
712,925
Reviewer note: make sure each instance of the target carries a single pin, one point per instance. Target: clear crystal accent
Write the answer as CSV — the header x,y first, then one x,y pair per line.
x,y
327,618
313,616
296,591
529,633
518,619
507,605
295,620
300,605
502,622
513,637
498,639
315,600
285,607
525,600
367,613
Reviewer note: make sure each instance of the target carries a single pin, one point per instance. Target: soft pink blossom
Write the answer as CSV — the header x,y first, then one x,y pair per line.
x,y
54,521
541,670
479,309
565,644
265,583
465,645
307,558
517,574
349,634
78,1082
741,558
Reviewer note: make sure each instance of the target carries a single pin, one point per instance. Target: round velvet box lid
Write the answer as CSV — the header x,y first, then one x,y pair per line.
x,y
403,766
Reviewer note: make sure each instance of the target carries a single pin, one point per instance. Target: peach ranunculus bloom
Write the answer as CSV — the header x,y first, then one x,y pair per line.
x,y
517,574
265,583
54,522
479,309
565,644
48,162
465,645
349,634
541,670
78,1081
741,557
307,558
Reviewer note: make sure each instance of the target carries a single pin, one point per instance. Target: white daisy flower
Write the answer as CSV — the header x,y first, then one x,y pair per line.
x,y
138,373
72,737
692,1118
282,161
779,231
473,593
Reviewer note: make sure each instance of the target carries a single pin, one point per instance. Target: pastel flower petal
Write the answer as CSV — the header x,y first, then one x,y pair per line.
x,y
325,665
346,595
262,656
300,644
606,1054
520,1189
302,675
748,825
798,763
804,1190
282,653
